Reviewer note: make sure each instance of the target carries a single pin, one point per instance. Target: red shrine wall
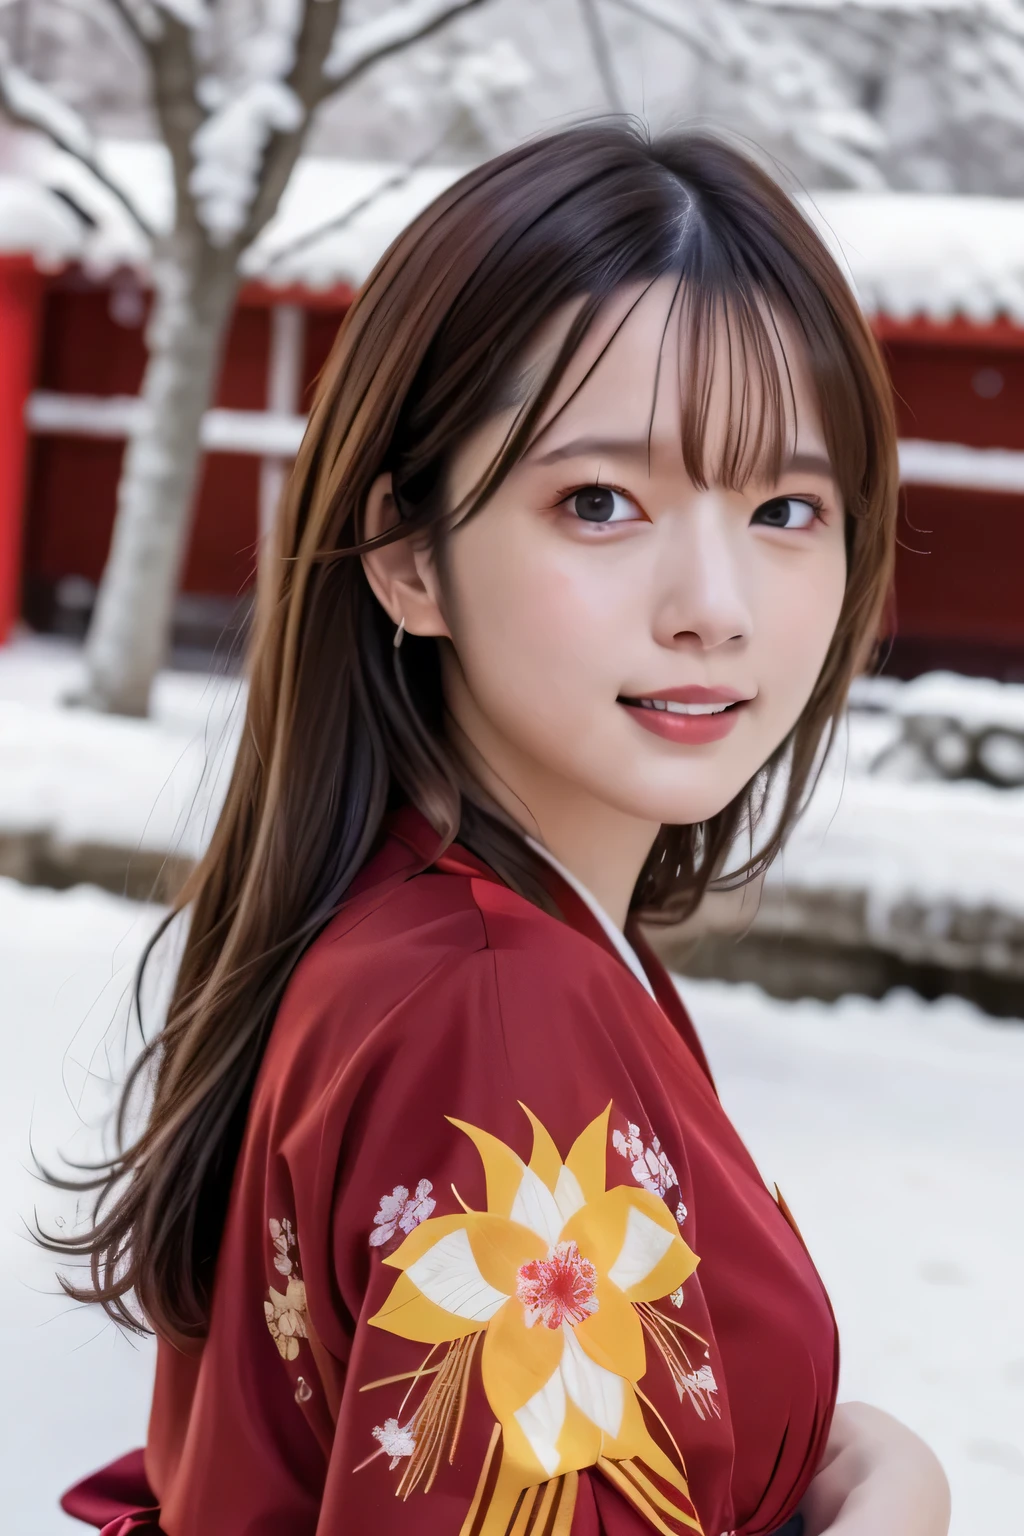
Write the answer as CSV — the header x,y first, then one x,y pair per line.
x,y
961,551
960,560
91,343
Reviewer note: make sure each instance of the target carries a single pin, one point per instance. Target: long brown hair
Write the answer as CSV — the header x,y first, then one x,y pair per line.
x,y
337,731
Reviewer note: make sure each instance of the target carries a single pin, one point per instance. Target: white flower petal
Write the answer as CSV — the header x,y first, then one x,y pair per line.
x,y
643,1247
568,1195
535,1207
541,1421
449,1276
395,1439
600,1394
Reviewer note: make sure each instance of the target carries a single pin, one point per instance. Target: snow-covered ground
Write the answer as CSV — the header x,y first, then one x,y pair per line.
x,y
88,778
893,1128
77,1390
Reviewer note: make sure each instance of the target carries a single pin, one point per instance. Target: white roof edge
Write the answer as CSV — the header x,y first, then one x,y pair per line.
x,y
906,254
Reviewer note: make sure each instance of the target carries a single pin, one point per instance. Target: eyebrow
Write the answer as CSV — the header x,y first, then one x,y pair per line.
x,y
637,448
616,447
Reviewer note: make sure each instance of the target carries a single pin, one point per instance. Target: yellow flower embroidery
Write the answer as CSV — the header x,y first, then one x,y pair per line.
x,y
551,1275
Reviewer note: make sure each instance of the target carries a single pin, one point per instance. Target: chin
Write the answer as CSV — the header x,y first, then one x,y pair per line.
x,y
694,811
682,810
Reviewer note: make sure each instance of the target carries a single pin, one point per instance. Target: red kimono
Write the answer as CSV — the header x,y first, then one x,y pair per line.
x,y
495,1261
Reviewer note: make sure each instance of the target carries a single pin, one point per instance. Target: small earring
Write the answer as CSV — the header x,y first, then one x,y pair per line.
x,y
399,634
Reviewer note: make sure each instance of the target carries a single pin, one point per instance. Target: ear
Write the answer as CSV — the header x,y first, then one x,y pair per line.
x,y
403,575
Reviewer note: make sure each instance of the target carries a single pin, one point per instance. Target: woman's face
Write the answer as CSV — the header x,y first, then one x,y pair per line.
x,y
619,633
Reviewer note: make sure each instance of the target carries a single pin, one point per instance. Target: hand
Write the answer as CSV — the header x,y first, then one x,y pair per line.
x,y
877,1478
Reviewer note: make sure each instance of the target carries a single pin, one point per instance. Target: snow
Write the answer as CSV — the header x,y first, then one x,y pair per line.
x,y
78,1391
977,702
976,469
149,784
191,13
112,239
228,147
892,1128
41,108
44,226
85,415
291,249
117,416
261,432
912,7
911,253
320,195
228,151
354,44
906,253
895,1134
942,845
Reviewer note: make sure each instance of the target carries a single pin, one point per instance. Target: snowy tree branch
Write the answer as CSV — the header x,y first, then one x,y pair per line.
x,y
598,39
173,79
131,22
280,147
356,49
678,21
335,225
31,105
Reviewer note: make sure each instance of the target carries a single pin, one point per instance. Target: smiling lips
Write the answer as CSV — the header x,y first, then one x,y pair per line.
x,y
692,715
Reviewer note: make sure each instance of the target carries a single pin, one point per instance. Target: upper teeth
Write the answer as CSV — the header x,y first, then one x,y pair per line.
x,y
683,709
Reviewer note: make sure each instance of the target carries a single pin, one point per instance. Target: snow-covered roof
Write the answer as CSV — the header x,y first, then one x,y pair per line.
x,y
304,243
913,253
906,253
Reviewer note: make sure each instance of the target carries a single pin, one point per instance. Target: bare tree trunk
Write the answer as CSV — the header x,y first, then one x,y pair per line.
x,y
130,629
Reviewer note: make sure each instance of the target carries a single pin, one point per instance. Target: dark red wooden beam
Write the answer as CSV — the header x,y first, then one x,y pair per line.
x,y
259,295
956,332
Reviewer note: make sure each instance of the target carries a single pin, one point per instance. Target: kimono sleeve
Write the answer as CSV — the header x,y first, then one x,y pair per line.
x,y
499,1262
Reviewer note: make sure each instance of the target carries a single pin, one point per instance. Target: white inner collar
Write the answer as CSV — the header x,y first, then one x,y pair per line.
x,y
615,933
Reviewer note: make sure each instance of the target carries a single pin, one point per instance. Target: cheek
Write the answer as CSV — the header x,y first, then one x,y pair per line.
x,y
534,629
797,622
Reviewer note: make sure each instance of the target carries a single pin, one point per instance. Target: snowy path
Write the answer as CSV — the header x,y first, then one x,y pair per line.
x,y
77,1391
894,1130
87,778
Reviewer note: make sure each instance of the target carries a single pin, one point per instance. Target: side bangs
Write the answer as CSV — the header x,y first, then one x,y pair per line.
x,y
730,345
738,335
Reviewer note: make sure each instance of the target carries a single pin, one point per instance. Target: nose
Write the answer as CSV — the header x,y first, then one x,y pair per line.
x,y
702,595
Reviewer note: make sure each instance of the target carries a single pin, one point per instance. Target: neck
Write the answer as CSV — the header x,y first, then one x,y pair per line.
x,y
605,855
604,847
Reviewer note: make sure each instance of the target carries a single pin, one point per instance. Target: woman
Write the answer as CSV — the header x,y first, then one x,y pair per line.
x,y
437,1216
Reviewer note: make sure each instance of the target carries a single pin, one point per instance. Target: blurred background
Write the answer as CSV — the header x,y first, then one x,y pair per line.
x,y
190,193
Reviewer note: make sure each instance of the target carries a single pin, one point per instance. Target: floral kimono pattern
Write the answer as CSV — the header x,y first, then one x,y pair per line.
x,y
554,1283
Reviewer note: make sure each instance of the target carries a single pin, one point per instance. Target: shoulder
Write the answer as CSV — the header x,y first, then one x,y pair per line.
x,y
445,994
440,930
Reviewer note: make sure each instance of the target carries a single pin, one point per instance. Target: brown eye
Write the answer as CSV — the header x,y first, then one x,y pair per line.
x,y
785,512
600,504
